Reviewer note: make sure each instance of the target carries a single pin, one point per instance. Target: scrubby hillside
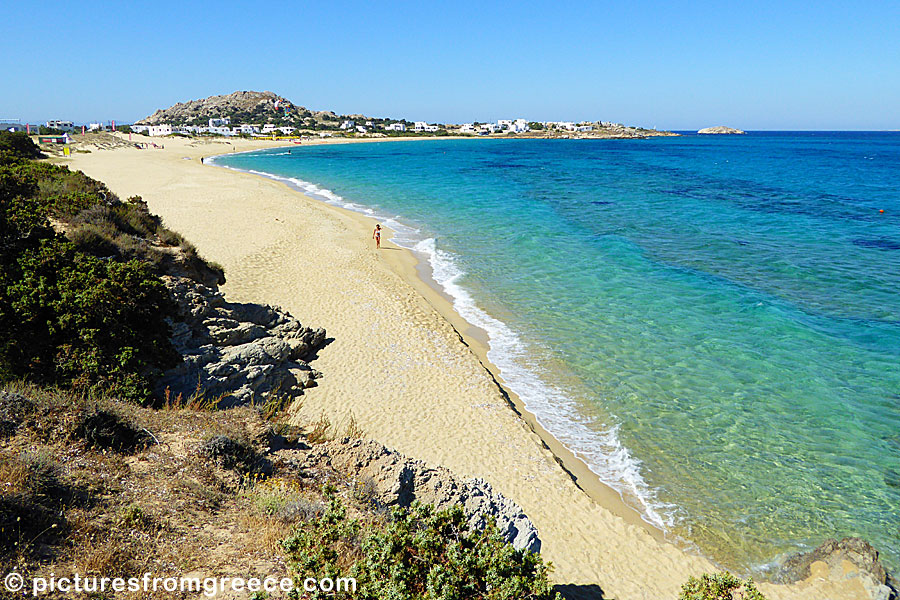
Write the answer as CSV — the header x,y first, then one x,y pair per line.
x,y
102,488
81,300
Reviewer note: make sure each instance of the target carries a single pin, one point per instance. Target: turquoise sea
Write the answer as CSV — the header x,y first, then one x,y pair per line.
x,y
711,322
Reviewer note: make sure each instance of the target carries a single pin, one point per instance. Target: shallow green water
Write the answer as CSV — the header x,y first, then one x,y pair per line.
x,y
712,323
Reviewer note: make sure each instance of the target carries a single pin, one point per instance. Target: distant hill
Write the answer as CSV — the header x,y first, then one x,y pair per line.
x,y
244,107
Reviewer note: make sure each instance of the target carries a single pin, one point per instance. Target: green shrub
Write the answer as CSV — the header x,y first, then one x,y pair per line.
x,y
95,239
66,317
417,553
720,586
90,312
18,145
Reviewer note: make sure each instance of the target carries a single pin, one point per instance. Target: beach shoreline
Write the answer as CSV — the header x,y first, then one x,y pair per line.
x,y
589,532
415,270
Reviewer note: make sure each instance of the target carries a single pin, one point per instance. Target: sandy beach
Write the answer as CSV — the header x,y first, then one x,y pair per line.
x,y
409,370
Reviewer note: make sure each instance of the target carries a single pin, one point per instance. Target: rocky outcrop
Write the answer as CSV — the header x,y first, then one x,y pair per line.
x,y
240,353
399,481
263,104
720,129
846,559
240,107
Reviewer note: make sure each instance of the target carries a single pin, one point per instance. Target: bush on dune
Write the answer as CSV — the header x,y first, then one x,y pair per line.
x,y
416,553
18,145
721,586
67,317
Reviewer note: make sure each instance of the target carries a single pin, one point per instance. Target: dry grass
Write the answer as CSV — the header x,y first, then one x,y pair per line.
x,y
320,430
353,430
71,505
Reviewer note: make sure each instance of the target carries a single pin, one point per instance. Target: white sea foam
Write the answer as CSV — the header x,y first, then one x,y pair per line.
x,y
599,447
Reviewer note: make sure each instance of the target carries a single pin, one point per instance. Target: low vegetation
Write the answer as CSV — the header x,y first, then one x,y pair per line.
x,y
113,489
417,553
81,302
720,586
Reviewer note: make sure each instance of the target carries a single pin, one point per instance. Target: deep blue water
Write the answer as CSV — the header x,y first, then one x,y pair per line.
x,y
711,322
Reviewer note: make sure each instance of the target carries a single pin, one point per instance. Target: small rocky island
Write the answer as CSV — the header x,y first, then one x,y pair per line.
x,y
720,129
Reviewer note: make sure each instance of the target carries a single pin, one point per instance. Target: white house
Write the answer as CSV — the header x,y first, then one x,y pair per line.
x,y
431,128
154,130
420,126
157,130
467,128
348,125
489,127
395,127
245,129
219,130
95,127
287,130
269,128
219,122
360,129
504,124
61,125
584,128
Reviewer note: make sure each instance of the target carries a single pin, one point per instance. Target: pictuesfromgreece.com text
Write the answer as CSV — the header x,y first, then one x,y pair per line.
x,y
208,586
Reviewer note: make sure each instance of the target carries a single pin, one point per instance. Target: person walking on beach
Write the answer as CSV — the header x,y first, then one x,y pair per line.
x,y
377,235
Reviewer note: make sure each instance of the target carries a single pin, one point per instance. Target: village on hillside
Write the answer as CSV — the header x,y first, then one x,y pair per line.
x,y
224,127
267,115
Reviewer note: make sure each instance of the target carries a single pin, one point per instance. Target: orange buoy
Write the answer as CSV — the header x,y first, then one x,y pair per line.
x,y
881,211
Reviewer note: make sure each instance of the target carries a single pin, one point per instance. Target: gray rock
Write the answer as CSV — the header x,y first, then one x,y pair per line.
x,y
720,130
238,353
400,481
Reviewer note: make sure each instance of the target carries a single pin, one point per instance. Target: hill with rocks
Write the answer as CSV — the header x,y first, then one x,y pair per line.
x,y
243,107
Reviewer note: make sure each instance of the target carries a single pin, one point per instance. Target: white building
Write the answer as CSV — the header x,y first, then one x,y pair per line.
x,y
269,128
348,125
420,126
95,127
61,125
157,130
489,128
504,124
584,128
219,122
220,130
395,127
287,130
467,128
360,129
195,129
244,129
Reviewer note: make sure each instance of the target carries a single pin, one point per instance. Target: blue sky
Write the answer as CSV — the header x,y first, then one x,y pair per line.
x,y
673,65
